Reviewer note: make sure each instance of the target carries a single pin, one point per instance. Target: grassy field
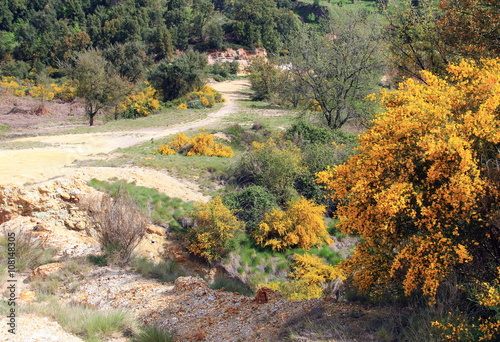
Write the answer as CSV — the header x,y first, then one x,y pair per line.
x,y
168,117
267,115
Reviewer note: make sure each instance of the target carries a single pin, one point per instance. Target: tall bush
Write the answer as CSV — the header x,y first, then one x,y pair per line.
x,y
423,190
274,165
176,78
141,103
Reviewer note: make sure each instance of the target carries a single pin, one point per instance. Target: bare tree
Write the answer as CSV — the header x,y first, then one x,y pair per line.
x,y
340,68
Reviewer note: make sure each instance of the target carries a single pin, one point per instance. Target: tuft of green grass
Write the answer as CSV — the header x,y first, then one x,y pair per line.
x,y
153,334
231,285
88,323
166,271
98,260
3,129
30,249
66,280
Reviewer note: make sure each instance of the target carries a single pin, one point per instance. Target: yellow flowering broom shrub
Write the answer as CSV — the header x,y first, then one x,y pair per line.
x,y
10,84
302,225
64,92
181,142
44,92
459,328
139,104
214,227
309,272
205,97
201,145
423,190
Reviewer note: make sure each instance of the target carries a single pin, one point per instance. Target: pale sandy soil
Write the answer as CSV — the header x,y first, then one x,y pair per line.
x,y
30,328
54,160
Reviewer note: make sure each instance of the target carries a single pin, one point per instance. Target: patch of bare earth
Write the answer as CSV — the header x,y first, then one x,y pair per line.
x,y
32,328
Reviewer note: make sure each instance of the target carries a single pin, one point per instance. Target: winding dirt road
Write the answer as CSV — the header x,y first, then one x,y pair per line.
x,y
39,164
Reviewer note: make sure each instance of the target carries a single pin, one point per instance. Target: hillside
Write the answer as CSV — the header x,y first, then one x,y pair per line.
x,y
249,170
187,306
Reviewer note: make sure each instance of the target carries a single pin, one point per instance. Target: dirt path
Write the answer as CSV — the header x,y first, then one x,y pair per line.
x,y
38,164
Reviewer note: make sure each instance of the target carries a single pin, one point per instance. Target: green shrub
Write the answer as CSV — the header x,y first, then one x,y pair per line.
x,y
273,165
265,78
304,132
250,204
195,104
223,70
18,69
318,156
176,78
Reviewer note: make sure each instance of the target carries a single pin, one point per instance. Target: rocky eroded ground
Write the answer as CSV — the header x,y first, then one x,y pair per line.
x,y
187,307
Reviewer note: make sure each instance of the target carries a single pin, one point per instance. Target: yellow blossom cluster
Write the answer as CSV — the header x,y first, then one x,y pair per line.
x,y
206,95
214,227
139,104
63,92
460,329
314,106
415,192
309,272
13,86
201,145
301,225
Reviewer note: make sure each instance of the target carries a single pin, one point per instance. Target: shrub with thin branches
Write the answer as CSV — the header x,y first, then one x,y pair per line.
x,y
31,250
120,224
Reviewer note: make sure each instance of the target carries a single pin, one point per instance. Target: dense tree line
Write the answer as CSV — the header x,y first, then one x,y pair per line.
x,y
40,33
